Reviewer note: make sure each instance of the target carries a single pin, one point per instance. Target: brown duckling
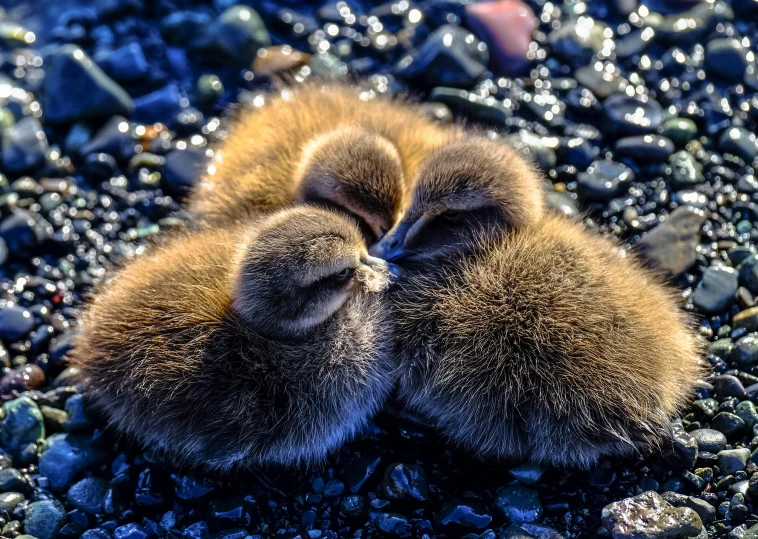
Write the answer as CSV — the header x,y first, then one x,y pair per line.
x,y
473,188
246,344
327,145
542,343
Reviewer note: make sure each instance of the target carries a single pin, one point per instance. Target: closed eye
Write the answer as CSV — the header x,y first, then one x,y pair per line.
x,y
345,274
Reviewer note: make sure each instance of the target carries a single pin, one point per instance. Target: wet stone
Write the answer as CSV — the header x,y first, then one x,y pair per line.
x,y
126,64
9,501
679,130
393,523
528,474
63,457
685,169
740,142
732,461
747,412
183,167
75,88
519,504
716,290
24,145
648,515
130,531
577,41
481,109
12,480
648,148
405,482
354,506
88,495
44,519
685,447
721,348
506,27
671,246
235,37
748,270
745,352
359,471
747,319
22,424
15,322
451,56
626,115
731,425
727,385
603,180
467,513
707,409
78,418
726,59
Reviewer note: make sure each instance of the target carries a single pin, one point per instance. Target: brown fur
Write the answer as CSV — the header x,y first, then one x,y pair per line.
x,y
547,345
472,187
184,349
261,156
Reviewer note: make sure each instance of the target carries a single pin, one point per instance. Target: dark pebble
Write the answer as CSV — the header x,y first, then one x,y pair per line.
x,y
603,180
24,145
183,167
716,290
731,425
671,246
728,386
732,461
22,231
626,115
647,148
519,504
709,440
63,457
12,480
15,322
463,514
88,495
44,519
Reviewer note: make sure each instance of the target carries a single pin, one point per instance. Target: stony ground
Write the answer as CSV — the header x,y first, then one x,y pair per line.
x,y
642,116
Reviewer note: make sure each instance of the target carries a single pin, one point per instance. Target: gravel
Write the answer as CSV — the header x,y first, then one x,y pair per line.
x,y
643,120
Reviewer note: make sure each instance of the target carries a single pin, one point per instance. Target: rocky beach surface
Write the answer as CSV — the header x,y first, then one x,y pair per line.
x,y
642,116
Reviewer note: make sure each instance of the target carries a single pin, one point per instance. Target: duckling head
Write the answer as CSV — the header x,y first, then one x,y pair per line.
x,y
301,268
358,172
469,191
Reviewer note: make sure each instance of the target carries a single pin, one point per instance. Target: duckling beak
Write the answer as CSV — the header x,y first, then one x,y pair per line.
x,y
391,246
383,273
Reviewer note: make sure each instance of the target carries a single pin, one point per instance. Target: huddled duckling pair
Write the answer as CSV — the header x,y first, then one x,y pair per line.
x,y
269,337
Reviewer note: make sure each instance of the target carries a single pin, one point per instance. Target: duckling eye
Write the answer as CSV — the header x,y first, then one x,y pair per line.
x,y
453,216
345,274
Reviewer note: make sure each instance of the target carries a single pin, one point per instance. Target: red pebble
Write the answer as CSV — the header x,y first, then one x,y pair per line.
x,y
507,27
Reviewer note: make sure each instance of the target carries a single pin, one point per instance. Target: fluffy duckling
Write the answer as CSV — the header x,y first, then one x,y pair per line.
x,y
473,188
543,343
263,343
326,145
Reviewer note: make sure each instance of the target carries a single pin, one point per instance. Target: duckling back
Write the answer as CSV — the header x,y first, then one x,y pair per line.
x,y
549,345
260,157
168,361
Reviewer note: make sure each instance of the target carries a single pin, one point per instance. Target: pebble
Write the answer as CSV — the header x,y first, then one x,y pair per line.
x,y
745,351
462,514
24,145
726,59
671,246
22,424
75,88
648,515
63,457
450,56
709,440
12,480
649,148
684,445
88,495
740,142
405,482
732,461
44,519
182,168
603,180
626,115
731,425
15,322
578,40
480,109
679,130
278,59
506,26
727,385
22,231
685,170
9,501
519,504
747,319
715,292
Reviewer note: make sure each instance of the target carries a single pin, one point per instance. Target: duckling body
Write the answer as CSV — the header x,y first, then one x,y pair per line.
x,y
240,345
264,161
547,345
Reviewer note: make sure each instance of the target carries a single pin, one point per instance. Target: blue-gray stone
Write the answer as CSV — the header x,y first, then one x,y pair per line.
x,y
24,145
63,457
626,115
15,322
716,290
732,461
740,142
747,412
671,246
163,105
519,504
745,351
78,418
88,495
235,37
44,519
12,480
645,148
451,56
183,167
22,424
125,64
685,169
75,88
472,106
603,180
726,59
9,501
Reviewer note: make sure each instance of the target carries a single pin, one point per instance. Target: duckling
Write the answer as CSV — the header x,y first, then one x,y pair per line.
x,y
241,345
326,145
473,188
538,341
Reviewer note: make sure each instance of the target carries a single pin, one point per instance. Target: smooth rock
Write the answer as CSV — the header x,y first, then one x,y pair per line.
x,y
469,513
727,385
405,482
183,167
63,457
451,56
679,130
726,59
24,145
646,148
740,142
716,290
648,515
671,246
88,495
44,519
626,115
506,26
471,106
685,169
709,440
603,180
745,351
75,88
15,322
278,59
577,41
519,504
747,319
732,461
22,424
